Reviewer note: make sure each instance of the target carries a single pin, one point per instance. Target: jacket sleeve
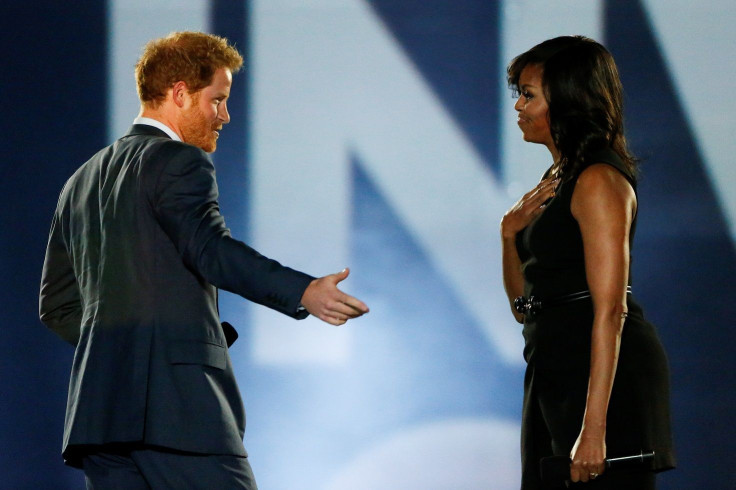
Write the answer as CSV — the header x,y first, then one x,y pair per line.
x,y
59,304
185,204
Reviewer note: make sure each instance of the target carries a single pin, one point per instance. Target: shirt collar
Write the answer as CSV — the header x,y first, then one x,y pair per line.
x,y
157,124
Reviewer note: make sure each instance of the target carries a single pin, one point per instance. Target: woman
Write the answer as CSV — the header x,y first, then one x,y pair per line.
x,y
597,380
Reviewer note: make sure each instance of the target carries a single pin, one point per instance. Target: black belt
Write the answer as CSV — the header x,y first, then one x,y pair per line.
x,y
532,305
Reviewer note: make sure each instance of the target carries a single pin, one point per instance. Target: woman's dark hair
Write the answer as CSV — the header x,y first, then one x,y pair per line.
x,y
585,97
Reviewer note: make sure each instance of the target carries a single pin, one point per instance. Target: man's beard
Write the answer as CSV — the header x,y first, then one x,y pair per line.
x,y
196,131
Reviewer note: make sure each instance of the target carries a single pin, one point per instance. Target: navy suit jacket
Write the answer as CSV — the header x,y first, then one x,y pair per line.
x,y
136,252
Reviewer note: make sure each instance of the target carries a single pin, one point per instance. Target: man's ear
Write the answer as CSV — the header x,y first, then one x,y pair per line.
x,y
179,92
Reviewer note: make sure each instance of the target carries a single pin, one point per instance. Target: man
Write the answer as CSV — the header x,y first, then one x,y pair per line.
x,y
136,253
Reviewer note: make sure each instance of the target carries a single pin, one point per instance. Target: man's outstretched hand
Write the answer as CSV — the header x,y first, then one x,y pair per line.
x,y
323,300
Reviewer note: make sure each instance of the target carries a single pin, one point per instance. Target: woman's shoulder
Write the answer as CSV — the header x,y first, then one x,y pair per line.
x,y
612,159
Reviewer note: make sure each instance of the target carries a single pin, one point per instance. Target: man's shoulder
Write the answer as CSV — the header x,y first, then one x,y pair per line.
x,y
156,142
148,152
154,151
166,147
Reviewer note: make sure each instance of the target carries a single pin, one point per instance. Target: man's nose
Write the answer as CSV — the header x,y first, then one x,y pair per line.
x,y
222,114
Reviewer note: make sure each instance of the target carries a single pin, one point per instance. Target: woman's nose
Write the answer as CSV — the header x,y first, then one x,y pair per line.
x,y
519,105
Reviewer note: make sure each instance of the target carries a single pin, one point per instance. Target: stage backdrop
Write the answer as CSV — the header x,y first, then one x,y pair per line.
x,y
380,135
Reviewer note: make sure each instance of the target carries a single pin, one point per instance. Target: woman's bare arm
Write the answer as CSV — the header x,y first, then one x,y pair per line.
x,y
604,204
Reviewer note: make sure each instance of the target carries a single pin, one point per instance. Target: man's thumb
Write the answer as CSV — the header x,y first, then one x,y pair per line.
x,y
342,274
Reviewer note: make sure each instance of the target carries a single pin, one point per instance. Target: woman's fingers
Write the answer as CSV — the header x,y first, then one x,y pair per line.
x,y
542,193
583,470
528,207
542,185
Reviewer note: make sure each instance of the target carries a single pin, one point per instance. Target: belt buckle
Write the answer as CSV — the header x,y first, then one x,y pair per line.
x,y
527,306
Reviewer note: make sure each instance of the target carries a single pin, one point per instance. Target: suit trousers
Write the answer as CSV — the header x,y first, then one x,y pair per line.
x,y
154,468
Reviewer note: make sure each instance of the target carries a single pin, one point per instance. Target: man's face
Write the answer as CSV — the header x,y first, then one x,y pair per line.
x,y
207,112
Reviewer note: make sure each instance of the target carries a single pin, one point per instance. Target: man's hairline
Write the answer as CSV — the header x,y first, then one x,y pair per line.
x,y
156,103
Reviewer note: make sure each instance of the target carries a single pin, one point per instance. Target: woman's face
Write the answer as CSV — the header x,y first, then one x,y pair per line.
x,y
532,107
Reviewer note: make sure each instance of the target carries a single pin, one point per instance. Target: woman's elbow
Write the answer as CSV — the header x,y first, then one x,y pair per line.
x,y
614,315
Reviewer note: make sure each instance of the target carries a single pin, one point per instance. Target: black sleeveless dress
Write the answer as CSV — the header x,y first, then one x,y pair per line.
x,y
557,350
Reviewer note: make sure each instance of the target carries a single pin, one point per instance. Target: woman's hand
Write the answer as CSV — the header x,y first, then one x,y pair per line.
x,y
515,220
527,208
588,456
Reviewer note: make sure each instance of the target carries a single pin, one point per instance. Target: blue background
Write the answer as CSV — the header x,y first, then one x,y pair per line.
x,y
54,93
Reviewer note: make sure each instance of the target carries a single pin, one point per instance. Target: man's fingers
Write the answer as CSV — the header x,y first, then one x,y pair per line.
x,y
340,307
325,301
347,310
355,304
332,320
